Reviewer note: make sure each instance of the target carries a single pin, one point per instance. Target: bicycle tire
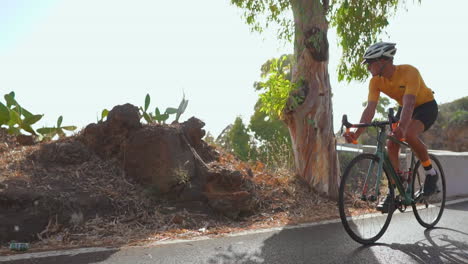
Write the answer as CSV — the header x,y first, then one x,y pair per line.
x,y
348,221
417,186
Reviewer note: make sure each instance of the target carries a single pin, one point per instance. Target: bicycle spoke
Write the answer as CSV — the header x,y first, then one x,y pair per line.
x,y
359,199
428,210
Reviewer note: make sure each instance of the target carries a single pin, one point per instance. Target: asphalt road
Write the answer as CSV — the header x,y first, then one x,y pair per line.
x,y
404,242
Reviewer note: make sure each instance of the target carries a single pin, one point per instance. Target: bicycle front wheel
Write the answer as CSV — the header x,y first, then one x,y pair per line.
x,y
428,210
359,197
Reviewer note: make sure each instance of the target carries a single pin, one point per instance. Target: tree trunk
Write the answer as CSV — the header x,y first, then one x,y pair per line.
x,y
311,123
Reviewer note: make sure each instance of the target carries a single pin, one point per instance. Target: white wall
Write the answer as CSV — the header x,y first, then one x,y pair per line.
x,y
454,164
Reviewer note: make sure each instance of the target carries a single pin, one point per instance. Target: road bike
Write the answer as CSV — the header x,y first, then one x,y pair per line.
x,y
369,178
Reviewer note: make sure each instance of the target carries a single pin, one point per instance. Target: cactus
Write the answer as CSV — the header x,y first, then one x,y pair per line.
x,y
159,117
49,133
4,114
104,114
182,106
16,117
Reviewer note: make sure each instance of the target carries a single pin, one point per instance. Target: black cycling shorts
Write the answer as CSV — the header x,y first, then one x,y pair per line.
x,y
426,113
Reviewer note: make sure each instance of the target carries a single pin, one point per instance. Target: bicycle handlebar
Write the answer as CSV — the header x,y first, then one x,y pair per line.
x,y
391,120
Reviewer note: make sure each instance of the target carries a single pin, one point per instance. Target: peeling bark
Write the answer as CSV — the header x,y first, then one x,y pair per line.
x,y
311,124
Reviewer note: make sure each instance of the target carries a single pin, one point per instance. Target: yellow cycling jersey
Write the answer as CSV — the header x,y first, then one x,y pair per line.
x,y
405,80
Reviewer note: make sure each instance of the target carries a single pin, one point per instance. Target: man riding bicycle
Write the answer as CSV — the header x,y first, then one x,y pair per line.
x,y
417,108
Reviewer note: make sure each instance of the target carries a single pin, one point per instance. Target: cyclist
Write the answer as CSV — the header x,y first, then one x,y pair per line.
x,y
417,108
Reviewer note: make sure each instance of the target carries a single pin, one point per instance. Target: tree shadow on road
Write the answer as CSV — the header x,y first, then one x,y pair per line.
x,y
318,245
451,246
314,244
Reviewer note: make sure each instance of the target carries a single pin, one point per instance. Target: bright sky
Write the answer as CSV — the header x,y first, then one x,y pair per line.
x,y
75,58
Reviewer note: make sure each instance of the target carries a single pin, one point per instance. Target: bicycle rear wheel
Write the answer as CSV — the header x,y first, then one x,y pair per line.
x,y
358,199
428,210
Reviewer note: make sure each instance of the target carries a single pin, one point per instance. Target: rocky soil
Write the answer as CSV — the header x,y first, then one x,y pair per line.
x,y
119,182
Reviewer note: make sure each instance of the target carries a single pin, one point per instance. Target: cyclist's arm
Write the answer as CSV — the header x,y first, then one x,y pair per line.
x,y
409,101
367,116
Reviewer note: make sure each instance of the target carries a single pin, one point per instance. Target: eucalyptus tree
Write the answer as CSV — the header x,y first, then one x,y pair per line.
x,y
308,110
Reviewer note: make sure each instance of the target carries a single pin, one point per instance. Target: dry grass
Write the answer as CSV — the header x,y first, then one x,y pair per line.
x,y
140,219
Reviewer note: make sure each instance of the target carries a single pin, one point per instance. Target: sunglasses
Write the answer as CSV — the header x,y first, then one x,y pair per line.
x,y
369,61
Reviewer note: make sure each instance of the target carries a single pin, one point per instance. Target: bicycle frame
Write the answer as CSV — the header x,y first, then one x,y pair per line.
x,y
385,161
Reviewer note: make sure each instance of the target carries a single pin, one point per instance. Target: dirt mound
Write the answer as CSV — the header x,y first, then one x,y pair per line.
x,y
95,204
7,141
116,169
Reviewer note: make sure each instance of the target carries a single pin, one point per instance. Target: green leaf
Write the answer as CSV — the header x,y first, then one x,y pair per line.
x,y
157,112
162,118
18,109
4,114
32,119
26,113
184,106
104,113
171,110
27,128
70,128
14,131
46,130
15,117
59,121
10,99
147,102
61,133
147,118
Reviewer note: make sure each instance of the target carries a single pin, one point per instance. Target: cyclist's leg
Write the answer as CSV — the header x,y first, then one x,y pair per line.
x,y
416,128
393,152
423,118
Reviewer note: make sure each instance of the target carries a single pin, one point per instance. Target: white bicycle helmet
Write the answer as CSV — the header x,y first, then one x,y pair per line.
x,y
380,49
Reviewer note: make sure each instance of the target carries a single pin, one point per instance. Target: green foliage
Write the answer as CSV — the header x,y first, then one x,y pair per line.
x,y
260,14
239,140
159,117
15,117
270,142
181,175
181,109
382,108
273,145
316,39
104,114
48,133
460,117
453,114
277,86
358,24
369,137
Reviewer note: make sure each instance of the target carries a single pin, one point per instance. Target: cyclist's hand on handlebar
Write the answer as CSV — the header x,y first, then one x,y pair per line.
x,y
350,137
